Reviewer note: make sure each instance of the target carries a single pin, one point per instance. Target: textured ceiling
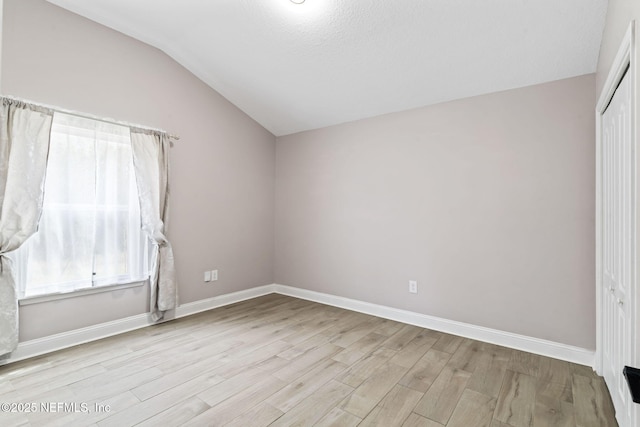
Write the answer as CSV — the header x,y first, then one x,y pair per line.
x,y
298,67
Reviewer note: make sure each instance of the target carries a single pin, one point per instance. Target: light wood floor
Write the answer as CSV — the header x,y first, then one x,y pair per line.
x,y
281,361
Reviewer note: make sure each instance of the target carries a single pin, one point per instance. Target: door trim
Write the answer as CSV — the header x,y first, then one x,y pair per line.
x,y
625,57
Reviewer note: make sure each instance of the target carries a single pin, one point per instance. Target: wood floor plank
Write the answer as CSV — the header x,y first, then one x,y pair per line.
x,y
301,348
121,401
448,343
467,355
47,397
26,389
367,395
304,386
342,327
425,371
7,387
305,362
473,410
410,353
312,327
555,379
15,419
278,360
415,420
550,412
267,325
27,367
223,390
51,376
148,355
167,381
394,408
338,417
364,368
591,402
389,327
516,401
178,414
490,371
525,363
260,415
238,404
197,352
354,333
111,383
150,407
360,348
99,351
316,406
442,397
236,362
401,338
585,371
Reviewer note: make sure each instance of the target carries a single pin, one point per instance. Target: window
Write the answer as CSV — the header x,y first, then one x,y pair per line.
x,y
89,233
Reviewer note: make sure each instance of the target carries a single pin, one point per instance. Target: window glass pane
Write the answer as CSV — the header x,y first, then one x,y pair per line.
x,y
89,233
60,254
71,170
113,175
111,244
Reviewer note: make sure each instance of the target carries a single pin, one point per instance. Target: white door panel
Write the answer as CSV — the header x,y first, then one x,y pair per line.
x,y
618,245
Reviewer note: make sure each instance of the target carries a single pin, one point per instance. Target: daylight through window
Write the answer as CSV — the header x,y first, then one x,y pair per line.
x,y
89,233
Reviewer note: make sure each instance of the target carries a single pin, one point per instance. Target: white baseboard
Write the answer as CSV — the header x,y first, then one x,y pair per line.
x,y
63,340
222,300
60,341
507,339
68,339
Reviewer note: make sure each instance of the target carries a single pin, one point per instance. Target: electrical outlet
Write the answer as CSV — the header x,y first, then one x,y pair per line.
x,y
207,276
413,286
214,275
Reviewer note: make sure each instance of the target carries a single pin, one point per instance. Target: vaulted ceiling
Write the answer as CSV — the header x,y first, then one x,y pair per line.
x,y
294,67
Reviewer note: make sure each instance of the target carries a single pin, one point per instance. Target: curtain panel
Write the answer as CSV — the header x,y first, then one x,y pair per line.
x,y
24,146
151,165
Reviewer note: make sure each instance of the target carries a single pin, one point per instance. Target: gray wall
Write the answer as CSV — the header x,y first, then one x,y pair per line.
x,y
620,13
222,169
487,202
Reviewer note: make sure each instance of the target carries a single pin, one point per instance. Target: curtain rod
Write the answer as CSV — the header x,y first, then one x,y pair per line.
x,y
91,116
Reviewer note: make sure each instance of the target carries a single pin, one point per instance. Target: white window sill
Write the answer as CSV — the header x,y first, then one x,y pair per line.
x,y
37,299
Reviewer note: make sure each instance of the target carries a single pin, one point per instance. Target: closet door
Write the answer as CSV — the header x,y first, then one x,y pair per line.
x,y
618,245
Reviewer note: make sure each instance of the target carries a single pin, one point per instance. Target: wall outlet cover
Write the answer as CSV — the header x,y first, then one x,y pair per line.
x,y
413,286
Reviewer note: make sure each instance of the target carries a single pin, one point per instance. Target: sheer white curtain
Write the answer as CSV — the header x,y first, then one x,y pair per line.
x,y
89,234
151,163
24,144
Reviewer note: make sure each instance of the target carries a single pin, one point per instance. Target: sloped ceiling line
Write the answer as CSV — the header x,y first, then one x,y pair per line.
x,y
295,67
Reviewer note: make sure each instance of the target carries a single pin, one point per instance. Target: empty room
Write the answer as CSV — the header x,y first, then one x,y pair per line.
x,y
319,213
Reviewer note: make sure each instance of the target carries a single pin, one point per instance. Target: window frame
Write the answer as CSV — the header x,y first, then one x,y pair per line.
x,y
138,246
